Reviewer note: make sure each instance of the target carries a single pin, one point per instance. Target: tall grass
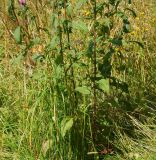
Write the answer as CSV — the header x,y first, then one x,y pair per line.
x,y
54,103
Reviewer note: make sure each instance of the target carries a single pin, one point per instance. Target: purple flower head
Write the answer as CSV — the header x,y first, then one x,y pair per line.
x,y
22,2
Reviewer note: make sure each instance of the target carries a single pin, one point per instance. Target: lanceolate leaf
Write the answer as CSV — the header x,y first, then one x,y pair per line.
x,y
80,25
104,85
17,34
66,125
83,90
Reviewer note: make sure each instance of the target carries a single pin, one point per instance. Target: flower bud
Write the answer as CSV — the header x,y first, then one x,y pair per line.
x,y
22,2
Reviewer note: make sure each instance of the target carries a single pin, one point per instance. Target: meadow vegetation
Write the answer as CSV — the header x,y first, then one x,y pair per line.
x,y
77,80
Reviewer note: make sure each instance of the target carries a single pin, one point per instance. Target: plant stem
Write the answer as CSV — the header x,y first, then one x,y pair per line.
x,y
94,73
68,40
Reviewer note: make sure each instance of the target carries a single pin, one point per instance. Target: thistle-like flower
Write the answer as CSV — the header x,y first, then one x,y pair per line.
x,y
22,2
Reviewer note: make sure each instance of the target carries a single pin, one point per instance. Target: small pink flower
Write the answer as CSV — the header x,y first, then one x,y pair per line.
x,y
22,2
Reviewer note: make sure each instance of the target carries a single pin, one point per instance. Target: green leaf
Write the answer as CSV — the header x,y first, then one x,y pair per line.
x,y
90,49
36,40
18,59
116,41
80,25
11,8
66,125
54,21
107,22
129,1
58,72
104,85
59,60
17,34
120,14
37,56
105,68
53,42
83,90
69,10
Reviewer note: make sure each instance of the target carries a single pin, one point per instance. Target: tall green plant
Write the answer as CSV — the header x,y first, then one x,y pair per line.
x,y
75,98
